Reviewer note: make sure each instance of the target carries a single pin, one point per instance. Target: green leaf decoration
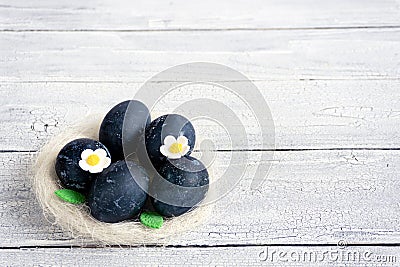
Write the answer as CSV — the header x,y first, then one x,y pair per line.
x,y
70,196
152,220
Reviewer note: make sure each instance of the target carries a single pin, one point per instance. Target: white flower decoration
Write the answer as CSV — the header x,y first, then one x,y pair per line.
x,y
94,161
175,148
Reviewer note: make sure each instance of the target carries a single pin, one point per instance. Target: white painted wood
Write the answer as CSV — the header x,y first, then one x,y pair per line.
x,y
309,197
260,55
219,256
328,70
206,14
307,114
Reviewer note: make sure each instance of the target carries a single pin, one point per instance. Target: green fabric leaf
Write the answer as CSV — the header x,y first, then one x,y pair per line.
x,y
152,220
70,196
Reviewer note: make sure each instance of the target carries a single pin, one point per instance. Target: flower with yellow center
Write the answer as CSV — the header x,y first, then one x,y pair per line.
x,y
175,148
94,161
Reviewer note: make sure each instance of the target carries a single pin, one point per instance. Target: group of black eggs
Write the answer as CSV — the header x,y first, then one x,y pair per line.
x,y
117,188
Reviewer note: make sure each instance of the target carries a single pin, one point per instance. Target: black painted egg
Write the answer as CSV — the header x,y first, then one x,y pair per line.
x,y
79,162
113,132
192,179
169,136
119,193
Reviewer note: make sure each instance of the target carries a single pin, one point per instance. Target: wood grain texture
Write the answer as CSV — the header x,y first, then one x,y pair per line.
x,y
260,55
307,114
161,15
309,197
329,72
216,256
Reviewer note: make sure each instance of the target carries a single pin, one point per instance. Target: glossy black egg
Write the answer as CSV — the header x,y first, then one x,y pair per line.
x,y
119,193
123,128
171,124
192,179
71,175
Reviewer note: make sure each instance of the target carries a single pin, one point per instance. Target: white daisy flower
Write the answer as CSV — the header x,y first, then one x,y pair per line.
x,y
175,148
94,161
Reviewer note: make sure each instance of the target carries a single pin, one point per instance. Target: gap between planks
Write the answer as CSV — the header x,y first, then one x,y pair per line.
x,y
251,80
208,29
316,245
267,150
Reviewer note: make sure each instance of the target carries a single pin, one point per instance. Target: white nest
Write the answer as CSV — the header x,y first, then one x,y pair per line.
x,y
76,218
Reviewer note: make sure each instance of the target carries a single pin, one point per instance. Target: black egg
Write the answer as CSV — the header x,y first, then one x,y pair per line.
x,y
119,193
71,175
171,124
192,179
113,131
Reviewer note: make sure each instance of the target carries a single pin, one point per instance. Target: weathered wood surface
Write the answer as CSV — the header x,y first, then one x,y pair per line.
x,y
309,197
307,114
260,55
205,256
208,14
329,72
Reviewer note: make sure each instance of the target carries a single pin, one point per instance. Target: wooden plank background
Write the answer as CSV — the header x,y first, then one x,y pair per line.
x,y
329,71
